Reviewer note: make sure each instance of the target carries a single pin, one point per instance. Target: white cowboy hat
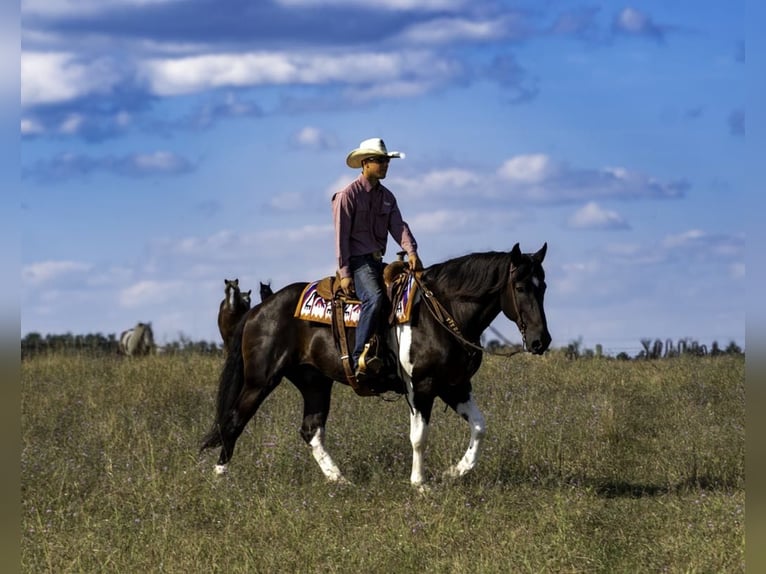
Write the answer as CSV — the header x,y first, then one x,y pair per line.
x,y
369,148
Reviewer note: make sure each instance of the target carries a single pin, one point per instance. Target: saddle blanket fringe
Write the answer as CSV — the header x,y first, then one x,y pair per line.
x,y
313,307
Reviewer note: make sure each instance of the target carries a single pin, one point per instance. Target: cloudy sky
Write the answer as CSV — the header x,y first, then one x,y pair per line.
x,y
169,144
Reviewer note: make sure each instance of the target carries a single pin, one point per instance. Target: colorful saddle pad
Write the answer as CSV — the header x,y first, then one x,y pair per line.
x,y
313,307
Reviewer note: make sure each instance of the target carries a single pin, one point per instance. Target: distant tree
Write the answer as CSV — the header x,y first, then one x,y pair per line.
x,y
733,349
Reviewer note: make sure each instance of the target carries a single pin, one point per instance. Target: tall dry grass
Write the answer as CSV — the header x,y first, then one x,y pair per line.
x,y
589,466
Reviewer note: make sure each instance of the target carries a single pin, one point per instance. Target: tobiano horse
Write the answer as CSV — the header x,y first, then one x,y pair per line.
x,y
434,360
137,341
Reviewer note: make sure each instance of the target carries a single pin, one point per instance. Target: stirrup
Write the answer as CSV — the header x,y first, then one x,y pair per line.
x,y
369,363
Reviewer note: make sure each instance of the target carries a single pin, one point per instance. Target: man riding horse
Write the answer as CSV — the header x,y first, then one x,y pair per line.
x,y
364,213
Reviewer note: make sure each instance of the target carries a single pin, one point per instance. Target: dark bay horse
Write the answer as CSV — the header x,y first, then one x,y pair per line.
x,y
231,310
270,343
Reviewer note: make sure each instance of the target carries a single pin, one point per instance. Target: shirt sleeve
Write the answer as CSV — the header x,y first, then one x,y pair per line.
x,y
342,214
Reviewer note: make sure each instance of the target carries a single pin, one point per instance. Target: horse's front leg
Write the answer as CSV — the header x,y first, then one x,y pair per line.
x,y
418,438
471,413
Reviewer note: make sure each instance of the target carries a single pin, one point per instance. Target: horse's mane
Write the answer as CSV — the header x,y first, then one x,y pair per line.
x,y
470,276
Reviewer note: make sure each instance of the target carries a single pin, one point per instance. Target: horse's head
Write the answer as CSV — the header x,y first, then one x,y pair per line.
x,y
231,291
522,300
245,298
147,336
266,290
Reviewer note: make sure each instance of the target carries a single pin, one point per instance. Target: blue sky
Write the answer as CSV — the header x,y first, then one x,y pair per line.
x,y
167,145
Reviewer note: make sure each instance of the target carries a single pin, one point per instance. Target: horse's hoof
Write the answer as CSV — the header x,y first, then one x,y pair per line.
x,y
220,469
422,488
451,473
341,481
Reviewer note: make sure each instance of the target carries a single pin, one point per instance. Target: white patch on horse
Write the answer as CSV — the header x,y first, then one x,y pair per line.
x,y
404,342
418,424
325,461
536,282
475,418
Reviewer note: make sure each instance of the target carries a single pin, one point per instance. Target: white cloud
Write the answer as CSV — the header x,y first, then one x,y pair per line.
x,y
48,271
537,177
380,4
191,74
79,7
445,182
288,201
527,169
593,216
310,137
148,292
71,124
54,77
446,30
30,126
632,20
159,161
685,238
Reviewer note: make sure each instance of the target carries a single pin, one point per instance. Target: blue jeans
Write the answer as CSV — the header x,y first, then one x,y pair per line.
x,y
368,283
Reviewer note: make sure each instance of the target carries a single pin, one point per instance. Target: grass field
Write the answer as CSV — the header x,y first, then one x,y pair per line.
x,y
590,466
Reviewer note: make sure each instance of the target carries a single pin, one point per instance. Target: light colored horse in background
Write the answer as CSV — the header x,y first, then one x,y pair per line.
x,y
137,341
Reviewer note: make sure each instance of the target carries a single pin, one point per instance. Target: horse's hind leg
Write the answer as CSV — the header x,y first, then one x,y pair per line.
x,y
316,390
250,399
460,399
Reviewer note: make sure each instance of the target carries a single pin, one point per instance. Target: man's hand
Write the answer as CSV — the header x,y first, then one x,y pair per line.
x,y
414,261
347,286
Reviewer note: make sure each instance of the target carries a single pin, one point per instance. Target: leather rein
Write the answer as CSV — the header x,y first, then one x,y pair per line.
x,y
446,320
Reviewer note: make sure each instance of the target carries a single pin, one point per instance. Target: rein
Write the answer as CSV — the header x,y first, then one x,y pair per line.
x,y
446,320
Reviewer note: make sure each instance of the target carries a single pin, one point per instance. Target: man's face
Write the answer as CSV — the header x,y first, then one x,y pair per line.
x,y
376,166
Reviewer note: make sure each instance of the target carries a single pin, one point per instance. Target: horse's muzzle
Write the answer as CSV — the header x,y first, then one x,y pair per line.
x,y
539,346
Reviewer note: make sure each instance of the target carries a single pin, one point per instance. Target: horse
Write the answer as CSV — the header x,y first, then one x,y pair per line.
x,y
137,341
266,291
434,359
231,310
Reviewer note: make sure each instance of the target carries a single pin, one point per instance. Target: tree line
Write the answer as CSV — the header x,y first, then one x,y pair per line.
x,y
100,344
97,343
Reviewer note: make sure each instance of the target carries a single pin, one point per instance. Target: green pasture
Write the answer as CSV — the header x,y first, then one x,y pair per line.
x,y
592,465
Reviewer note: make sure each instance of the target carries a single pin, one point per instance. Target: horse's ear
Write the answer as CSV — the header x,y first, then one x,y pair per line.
x,y
249,291
516,255
236,282
540,255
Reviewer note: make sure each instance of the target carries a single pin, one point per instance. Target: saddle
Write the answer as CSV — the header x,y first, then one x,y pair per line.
x,y
395,278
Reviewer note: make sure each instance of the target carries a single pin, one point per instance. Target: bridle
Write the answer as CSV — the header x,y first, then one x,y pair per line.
x,y
445,319
519,317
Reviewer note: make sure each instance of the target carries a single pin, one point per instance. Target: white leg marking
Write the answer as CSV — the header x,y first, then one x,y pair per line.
x,y
220,469
418,438
324,460
475,418
418,425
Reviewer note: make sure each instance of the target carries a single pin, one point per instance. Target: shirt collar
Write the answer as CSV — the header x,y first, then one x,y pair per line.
x,y
367,185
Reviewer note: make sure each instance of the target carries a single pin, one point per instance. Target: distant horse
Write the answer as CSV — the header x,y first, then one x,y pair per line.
x,y
233,307
137,341
434,359
266,291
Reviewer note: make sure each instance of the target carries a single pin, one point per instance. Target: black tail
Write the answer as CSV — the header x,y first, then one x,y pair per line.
x,y
229,386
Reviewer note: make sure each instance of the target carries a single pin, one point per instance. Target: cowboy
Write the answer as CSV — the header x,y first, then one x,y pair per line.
x,y
364,213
